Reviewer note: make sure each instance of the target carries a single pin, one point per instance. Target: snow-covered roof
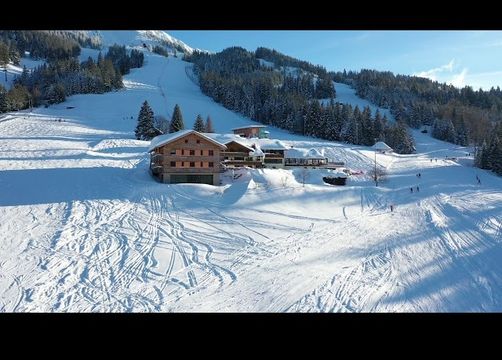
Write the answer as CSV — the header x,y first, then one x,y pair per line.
x,y
162,140
267,144
240,143
340,174
315,154
304,153
264,144
381,146
249,126
256,152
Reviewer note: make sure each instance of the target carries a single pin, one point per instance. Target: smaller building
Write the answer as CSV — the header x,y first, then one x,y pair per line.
x,y
381,147
312,157
274,152
239,155
252,131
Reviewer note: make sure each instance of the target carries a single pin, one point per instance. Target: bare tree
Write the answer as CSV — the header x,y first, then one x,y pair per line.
x,y
304,175
284,181
378,174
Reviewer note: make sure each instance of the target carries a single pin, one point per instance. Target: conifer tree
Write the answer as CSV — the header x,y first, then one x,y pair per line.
x,y
145,129
199,124
209,125
176,120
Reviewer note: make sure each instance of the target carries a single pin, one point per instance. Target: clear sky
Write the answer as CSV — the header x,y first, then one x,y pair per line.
x,y
458,57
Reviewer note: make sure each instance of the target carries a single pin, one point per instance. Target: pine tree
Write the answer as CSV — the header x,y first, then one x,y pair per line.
x,y
209,125
378,126
145,129
3,100
199,124
4,58
177,120
313,119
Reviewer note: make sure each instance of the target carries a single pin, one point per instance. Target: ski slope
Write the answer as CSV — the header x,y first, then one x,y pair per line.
x,y
347,95
85,228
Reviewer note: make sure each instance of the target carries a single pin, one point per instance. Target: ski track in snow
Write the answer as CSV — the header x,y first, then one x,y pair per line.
x,y
85,228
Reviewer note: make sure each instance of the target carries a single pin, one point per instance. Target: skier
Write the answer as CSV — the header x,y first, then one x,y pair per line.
x,y
391,208
419,175
418,189
411,189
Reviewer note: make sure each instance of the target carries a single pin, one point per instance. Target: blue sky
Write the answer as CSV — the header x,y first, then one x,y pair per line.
x,y
458,57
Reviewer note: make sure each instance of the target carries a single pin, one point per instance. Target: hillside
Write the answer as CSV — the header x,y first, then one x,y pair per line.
x,y
85,228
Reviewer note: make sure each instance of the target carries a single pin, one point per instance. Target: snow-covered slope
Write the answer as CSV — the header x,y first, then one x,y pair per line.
x,y
347,95
85,228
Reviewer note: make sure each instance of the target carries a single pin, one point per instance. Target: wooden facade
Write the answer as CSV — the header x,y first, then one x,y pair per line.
x,y
252,131
190,158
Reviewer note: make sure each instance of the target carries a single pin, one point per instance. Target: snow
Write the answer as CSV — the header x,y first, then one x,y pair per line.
x,y
347,95
312,153
85,228
266,63
380,145
249,126
135,38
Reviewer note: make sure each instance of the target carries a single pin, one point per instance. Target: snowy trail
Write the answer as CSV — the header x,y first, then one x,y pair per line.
x,y
85,228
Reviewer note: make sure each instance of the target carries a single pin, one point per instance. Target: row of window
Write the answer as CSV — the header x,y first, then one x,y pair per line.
x,y
192,163
192,152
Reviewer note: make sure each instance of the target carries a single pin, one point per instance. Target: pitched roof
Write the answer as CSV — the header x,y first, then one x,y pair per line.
x,y
162,140
381,146
239,143
249,126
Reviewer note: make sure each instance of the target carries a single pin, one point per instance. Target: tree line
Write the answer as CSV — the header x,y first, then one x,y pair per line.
x,y
40,44
149,126
489,155
461,116
236,79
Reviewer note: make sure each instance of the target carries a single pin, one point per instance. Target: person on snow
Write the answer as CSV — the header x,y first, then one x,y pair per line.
x,y
411,189
418,189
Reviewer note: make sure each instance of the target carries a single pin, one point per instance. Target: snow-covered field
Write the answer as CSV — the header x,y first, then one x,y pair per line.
x,y
85,228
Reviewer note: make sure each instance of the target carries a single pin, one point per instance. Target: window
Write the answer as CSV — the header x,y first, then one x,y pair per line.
x,y
198,141
192,164
186,141
201,152
192,152
182,152
211,164
173,163
173,152
211,152
182,164
201,164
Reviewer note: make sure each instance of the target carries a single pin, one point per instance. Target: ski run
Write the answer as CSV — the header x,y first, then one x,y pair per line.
x,y
85,228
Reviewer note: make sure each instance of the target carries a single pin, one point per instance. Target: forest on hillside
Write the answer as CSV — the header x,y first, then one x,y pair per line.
x,y
461,116
61,74
300,101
